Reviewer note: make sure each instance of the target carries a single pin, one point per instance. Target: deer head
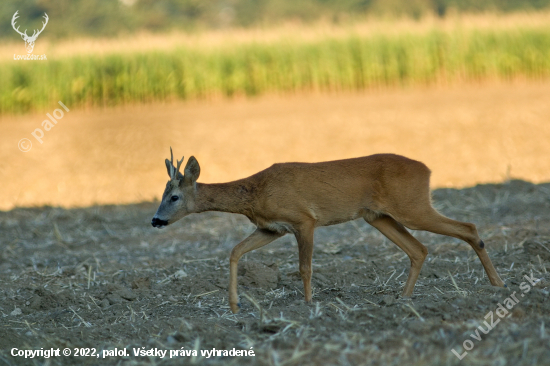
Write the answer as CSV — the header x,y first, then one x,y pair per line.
x,y
29,41
178,199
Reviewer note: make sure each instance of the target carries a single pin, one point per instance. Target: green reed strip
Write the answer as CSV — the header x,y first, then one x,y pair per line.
x,y
353,63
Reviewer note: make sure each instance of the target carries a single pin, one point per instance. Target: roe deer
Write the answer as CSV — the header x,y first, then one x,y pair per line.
x,y
388,191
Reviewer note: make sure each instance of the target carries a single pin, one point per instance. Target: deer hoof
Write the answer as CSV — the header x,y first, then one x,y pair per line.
x,y
235,307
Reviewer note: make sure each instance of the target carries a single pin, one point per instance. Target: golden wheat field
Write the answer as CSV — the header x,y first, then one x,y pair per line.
x,y
466,135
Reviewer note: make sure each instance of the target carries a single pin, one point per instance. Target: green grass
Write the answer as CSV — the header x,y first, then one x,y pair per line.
x,y
351,63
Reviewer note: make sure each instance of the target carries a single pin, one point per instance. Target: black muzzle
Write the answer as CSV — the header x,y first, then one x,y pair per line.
x,y
158,222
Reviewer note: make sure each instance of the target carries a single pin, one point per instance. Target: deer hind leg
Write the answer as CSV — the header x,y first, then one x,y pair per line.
x,y
433,221
417,252
304,236
256,240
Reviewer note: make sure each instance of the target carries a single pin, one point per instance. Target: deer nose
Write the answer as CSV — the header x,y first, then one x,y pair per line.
x,y
156,222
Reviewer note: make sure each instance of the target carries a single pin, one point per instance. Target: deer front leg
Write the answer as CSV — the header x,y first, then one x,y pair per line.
x,y
304,236
256,240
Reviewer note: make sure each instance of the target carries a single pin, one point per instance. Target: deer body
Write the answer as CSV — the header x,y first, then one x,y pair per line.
x,y
388,191
283,196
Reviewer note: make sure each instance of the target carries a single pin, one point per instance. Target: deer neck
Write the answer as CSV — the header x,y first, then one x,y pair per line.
x,y
234,197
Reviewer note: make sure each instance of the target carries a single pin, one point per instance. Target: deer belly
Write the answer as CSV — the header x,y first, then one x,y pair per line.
x,y
279,227
341,217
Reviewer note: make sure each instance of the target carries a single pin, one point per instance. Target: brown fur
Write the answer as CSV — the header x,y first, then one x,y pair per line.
x,y
389,191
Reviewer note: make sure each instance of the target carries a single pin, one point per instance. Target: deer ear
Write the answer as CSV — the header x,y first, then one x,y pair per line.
x,y
192,170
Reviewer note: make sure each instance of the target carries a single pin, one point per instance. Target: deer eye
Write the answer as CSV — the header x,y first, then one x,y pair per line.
x,y
174,198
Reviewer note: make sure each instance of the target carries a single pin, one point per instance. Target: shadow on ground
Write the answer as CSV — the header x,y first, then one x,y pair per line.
x,y
101,278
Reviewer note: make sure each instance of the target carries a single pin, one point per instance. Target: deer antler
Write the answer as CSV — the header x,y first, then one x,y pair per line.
x,y
36,32
171,164
179,165
174,171
34,35
15,16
